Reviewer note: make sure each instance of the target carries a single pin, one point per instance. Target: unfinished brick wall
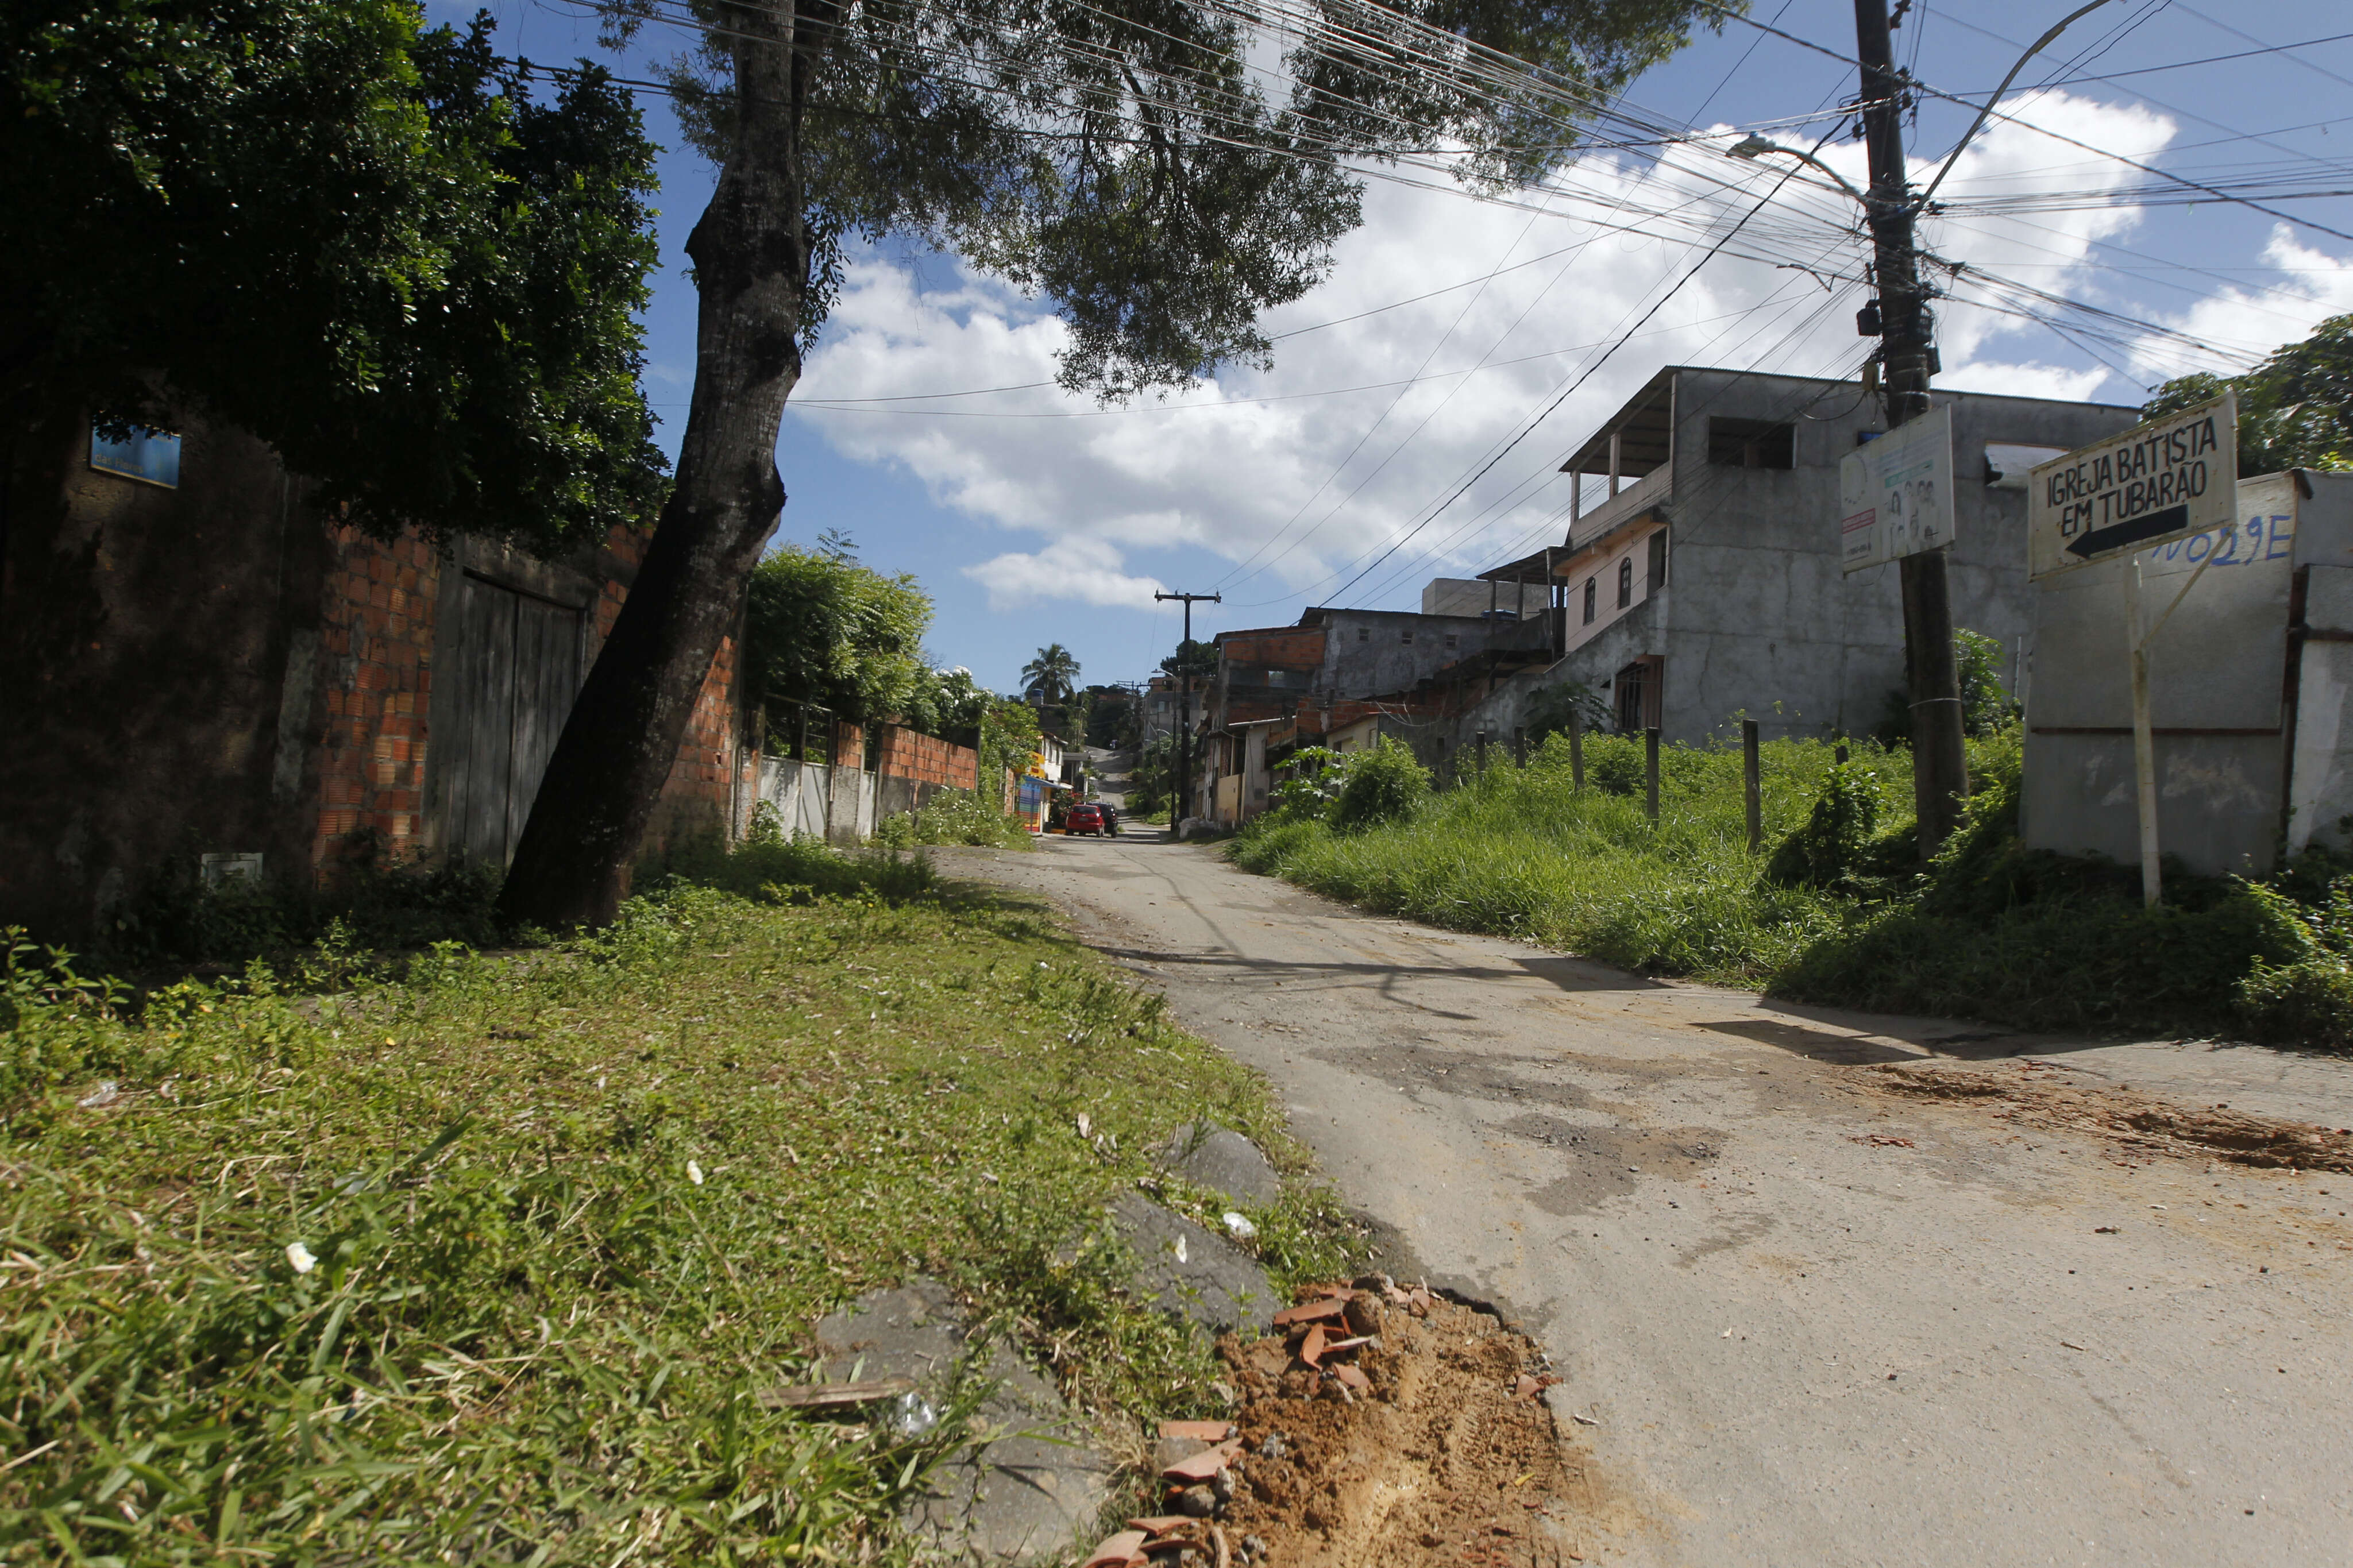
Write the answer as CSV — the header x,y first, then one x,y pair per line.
x,y
905,753
375,649
376,634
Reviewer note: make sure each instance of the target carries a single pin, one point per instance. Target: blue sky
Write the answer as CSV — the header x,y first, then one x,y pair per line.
x,y
1033,517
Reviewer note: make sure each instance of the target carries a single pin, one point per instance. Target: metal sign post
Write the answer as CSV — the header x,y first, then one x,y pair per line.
x,y
2164,479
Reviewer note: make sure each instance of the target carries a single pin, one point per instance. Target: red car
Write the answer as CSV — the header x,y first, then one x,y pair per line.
x,y
1085,817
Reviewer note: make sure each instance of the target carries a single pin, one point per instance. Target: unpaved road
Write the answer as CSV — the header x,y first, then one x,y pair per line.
x,y
1809,1320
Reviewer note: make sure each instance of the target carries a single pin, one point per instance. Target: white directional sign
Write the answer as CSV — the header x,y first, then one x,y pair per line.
x,y
1896,493
2165,480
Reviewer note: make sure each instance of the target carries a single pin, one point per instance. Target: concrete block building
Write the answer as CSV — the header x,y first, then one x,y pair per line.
x,y
1703,583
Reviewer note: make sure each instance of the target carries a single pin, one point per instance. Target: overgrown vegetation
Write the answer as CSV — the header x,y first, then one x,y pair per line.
x,y
821,629
1986,703
2296,408
490,1257
378,247
371,902
955,816
1379,787
1837,909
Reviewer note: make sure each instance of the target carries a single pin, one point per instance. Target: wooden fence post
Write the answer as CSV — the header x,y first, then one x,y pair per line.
x,y
1482,751
1519,745
1577,748
1752,781
1651,758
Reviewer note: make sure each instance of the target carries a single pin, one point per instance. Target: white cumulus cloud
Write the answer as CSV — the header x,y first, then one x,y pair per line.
x,y
1079,568
1302,474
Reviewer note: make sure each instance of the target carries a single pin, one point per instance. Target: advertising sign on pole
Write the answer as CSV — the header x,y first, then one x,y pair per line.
x,y
1896,493
2165,480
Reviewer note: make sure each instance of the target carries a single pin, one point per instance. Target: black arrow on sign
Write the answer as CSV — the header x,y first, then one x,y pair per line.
x,y
2123,533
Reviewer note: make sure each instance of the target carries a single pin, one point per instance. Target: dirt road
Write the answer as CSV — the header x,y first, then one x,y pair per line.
x,y
1804,1318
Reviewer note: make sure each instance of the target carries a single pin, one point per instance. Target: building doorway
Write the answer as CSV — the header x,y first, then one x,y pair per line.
x,y
516,670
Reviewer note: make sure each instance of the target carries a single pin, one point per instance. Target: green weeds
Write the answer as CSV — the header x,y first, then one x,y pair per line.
x,y
1838,909
1523,852
490,1257
955,816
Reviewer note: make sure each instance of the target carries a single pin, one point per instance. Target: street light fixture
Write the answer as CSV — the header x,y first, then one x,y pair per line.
x,y
1753,146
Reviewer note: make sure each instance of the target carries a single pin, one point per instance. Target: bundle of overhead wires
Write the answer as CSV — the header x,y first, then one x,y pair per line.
x,y
1597,163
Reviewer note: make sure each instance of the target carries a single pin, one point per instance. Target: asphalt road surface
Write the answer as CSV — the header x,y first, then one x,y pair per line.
x,y
1800,1319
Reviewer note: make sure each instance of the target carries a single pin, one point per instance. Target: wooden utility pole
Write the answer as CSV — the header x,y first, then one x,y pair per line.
x,y
1940,780
1176,812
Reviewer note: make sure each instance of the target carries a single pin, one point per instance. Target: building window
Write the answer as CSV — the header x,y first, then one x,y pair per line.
x,y
1451,641
1752,443
1658,563
1591,584
1625,582
1406,635
1637,695
152,456
1364,634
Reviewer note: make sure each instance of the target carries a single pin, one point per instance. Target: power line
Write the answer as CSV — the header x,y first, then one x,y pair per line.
x,y
2041,130
1582,377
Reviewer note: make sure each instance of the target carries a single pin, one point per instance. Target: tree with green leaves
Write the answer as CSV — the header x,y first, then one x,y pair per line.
x,y
1125,160
369,245
1009,737
1192,657
2296,408
821,629
1052,675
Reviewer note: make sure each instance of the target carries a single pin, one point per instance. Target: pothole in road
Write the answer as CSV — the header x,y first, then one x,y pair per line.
x,y
1602,1162
1499,1079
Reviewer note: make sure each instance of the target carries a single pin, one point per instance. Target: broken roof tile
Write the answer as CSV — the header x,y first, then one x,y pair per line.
x,y
1311,1349
1122,1551
1310,1312
1159,1523
1201,1466
1206,1431
1354,1377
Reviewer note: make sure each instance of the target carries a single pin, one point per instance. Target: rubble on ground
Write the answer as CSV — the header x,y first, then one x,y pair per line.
x,y
1223,1161
1377,1423
1026,1485
1189,1271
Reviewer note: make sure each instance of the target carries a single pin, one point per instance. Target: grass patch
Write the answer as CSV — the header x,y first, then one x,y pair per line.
x,y
1523,852
955,816
487,1257
1836,908
374,901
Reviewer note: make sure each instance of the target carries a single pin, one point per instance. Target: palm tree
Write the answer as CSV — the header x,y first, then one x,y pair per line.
x,y
1054,673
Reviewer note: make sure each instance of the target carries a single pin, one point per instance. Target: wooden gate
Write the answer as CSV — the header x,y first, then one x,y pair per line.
x,y
516,670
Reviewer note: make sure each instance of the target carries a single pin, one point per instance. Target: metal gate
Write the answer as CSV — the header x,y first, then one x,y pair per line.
x,y
517,669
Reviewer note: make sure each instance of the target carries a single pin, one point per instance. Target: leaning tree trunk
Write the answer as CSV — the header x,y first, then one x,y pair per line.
x,y
751,255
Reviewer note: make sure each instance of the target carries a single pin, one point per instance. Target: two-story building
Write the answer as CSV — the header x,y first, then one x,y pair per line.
x,y
1704,583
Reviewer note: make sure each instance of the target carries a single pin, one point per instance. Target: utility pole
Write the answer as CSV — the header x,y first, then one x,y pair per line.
x,y
1940,780
1185,706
